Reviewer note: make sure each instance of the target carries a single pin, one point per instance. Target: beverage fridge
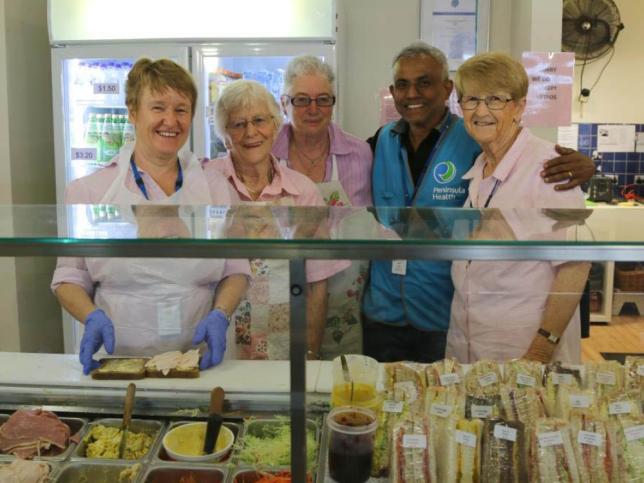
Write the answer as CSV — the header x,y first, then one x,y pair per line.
x,y
94,45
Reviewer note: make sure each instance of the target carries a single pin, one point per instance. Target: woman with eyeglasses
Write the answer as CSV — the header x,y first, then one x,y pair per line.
x,y
248,118
509,309
340,165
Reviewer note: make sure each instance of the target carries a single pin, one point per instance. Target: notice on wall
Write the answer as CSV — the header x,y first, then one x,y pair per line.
x,y
551,76
568,136
639,148
450,26
616,138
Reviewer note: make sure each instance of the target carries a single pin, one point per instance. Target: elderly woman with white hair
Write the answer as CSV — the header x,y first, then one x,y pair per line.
x,y
340,165
248,118
508,309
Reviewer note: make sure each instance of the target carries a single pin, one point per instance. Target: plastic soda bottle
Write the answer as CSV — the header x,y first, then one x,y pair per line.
x,y
91,133
117,134
109,145
100,122
128,133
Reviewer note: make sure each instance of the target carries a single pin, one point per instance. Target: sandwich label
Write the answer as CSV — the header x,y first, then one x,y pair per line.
x,y
465,438
525,380
392,406
558,378
505,432
621,407
441,410
550,438
487,379
640,370
449,379
634,433
580,401
416,441
481,412
590,439
607,378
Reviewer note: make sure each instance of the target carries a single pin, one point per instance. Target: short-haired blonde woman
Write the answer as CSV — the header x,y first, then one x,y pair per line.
x,y
146,306
505,310
248,119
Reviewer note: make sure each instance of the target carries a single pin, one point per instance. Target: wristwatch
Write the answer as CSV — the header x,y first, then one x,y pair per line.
x,y
548,335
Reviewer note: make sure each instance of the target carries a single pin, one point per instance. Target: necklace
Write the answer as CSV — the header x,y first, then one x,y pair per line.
x,y
311,160
255,192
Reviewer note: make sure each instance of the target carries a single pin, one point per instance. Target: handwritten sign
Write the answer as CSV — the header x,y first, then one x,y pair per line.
x,y
551,76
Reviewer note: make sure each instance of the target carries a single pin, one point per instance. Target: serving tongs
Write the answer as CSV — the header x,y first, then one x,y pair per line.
x,y
127,417
217,397
347,375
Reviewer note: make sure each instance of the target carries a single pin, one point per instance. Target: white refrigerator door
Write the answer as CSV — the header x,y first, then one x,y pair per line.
x,y
216,65
90,124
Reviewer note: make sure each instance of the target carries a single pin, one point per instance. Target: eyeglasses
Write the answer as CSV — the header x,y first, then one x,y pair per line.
x,y
258,122
323,100
495,103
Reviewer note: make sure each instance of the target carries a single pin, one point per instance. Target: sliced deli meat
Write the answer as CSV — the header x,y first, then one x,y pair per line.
x,y
28,432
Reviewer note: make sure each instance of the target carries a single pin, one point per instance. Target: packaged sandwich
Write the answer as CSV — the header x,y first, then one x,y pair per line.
x,y
634,368
413,458
590,439
522,404
522,373
619,406
556,376
446,372
606,378
627,436
444,406
407,381
483,378
483,407
556,461
503,452
574,401
391,413
468,450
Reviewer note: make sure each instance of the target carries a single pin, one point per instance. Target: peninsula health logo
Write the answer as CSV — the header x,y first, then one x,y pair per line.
x,y
444,172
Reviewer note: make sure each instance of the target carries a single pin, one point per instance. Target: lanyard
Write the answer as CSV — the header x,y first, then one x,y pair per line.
x,y
139,180
489,198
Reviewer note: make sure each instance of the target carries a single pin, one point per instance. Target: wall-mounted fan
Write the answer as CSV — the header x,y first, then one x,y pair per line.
x,y
590,27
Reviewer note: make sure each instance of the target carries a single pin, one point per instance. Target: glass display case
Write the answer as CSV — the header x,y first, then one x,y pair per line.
x,y
294,234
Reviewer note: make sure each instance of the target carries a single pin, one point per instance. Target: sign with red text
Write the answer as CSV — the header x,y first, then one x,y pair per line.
x,y
551,76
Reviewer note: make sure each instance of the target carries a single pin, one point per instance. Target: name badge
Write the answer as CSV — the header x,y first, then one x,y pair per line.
x,y
168,320
399,267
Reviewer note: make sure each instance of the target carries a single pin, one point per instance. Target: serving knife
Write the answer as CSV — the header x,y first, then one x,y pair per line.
x,y
217,397
127,417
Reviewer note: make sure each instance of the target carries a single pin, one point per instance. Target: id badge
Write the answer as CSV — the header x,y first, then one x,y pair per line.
x,y
169,320
399,267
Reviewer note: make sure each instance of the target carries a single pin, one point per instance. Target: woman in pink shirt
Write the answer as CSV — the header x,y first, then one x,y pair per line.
x,y
248,119
340,165
504,310
145,306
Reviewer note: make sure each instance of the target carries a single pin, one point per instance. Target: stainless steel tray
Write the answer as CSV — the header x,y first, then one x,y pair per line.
x,y
161,455
165,473
53,468
95,472
152,428
76,425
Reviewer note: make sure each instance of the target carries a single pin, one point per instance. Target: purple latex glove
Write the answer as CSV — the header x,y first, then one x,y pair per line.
x,y
99,331
212,330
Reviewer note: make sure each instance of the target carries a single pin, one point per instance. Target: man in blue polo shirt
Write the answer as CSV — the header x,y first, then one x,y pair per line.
x,y
419,162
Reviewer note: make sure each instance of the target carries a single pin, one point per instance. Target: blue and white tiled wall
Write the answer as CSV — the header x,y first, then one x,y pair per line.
x,y
626,166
